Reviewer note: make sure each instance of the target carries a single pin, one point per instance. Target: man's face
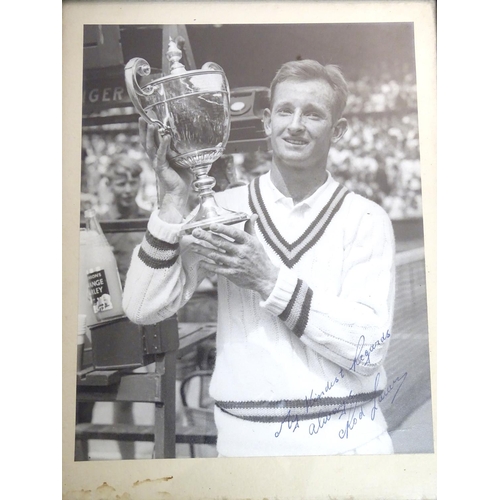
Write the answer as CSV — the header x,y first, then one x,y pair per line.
x,y
301,123
124,188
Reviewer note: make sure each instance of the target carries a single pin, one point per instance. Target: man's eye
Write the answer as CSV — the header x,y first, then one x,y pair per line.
x,y
285,111
313,115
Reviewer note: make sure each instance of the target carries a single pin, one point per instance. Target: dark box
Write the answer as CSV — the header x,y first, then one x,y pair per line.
x,y
117,343
247,132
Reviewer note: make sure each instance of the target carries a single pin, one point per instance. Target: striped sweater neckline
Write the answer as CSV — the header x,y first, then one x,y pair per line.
x,y
291,253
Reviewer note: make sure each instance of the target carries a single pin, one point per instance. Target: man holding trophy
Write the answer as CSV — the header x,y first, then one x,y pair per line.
x,y
306,283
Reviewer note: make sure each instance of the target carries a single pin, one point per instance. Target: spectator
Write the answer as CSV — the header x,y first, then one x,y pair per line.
x,y
123,180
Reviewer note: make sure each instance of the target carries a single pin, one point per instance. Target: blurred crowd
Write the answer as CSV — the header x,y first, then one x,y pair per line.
x,y
391,90
378,157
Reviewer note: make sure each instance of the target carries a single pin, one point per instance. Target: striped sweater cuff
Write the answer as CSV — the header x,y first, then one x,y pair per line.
x,y
290,300
160,246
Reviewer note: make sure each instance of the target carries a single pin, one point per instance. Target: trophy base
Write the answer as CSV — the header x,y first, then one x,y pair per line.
x,y
213,215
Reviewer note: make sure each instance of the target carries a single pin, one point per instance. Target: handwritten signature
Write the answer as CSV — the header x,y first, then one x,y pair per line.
x,y
351,422
353,415
315,427
291,421
389,388
314,396
362,355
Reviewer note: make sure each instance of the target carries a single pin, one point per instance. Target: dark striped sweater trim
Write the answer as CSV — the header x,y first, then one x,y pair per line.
x,y
296,313
297,409
273,419
156,263
158,254
158,244
301,324
291,253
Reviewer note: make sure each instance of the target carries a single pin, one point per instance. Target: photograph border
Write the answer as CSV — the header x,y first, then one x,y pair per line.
x,y
395,476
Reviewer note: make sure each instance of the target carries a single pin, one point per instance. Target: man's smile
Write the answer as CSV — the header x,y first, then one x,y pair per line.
x,y
295,141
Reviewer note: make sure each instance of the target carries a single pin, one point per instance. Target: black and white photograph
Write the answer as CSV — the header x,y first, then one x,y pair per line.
x,y
252,270
252,247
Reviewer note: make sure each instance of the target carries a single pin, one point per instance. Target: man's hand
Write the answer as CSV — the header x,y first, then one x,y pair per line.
x,y
173,185
237,255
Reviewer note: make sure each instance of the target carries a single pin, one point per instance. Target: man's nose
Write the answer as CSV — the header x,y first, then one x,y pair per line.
x,y
296,124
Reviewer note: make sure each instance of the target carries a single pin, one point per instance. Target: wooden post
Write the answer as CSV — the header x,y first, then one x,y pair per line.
x,y
165,410
163,338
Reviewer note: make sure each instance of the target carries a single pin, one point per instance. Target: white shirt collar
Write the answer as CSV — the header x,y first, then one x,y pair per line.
x,y
316,200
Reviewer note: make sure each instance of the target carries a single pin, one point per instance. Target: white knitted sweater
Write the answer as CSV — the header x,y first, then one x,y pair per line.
x,y
307,359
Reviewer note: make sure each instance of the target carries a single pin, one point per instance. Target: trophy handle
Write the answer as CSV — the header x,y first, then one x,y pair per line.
x,y
215,67
139,66
212,66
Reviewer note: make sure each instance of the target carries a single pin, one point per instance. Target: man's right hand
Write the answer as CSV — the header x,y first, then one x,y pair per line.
x,y
173,185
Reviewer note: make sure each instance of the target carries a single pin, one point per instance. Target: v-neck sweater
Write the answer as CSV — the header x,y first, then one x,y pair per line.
x,y
309,357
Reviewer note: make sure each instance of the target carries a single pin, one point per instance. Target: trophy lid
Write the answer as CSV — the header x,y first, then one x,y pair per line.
x,y
174,55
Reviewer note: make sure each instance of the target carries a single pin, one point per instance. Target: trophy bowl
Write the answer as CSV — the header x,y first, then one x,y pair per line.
x,y
193,108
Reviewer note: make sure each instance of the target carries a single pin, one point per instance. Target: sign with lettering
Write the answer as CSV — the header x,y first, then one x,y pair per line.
x,y
106,93
99,291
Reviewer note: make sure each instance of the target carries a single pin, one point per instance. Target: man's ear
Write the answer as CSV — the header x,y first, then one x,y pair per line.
x,y
267,121
339,130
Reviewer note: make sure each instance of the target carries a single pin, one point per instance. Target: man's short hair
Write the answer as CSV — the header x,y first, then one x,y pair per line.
x,y
308,69
122,165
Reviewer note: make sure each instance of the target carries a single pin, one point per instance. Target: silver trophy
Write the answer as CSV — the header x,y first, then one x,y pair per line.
x,y
193,108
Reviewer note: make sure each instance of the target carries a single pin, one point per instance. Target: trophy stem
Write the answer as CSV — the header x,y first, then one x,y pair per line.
x,y
203,183
209,212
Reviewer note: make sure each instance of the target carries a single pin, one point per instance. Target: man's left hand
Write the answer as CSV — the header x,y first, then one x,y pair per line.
x,y
237,255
